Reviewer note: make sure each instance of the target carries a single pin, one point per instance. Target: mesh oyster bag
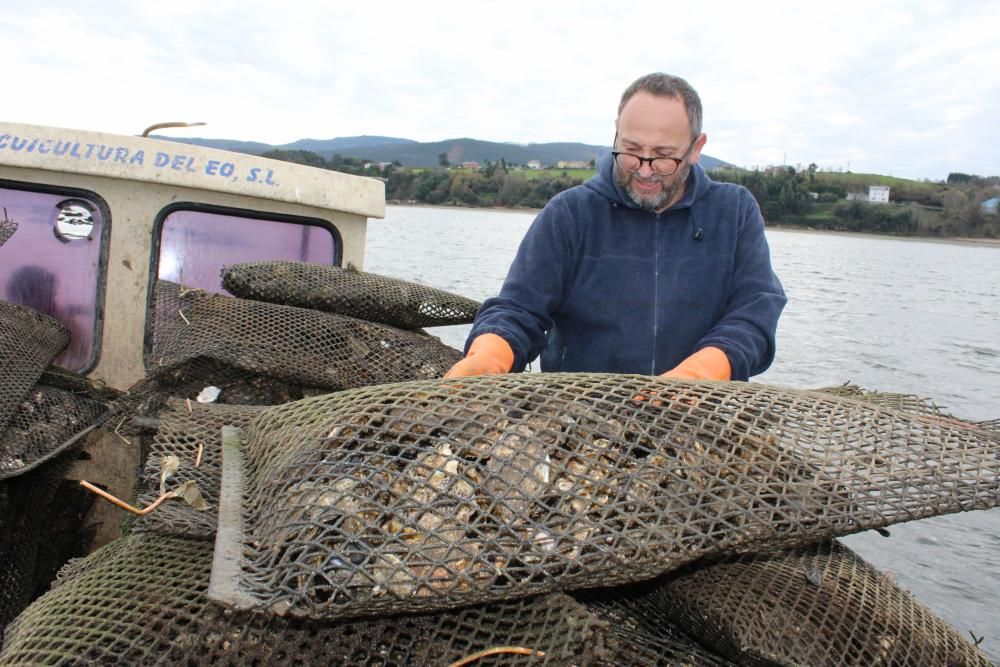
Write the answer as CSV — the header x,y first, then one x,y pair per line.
x,y
47,421
427,495
29,340
367,296
191,433
295,344
817,605
141,600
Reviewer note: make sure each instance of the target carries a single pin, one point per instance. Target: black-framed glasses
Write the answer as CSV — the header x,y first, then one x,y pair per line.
x,y
663,166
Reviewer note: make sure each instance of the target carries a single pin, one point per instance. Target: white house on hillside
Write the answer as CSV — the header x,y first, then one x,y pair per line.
x,y
878,194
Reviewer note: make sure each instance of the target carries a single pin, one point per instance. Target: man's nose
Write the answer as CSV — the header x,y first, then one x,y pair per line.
x,y
645,169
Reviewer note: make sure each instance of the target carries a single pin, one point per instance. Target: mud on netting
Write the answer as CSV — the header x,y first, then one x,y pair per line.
x,y
367,296
427,495
29,340
294,344
141,600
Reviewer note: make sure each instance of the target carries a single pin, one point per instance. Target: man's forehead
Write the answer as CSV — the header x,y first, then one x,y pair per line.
x,y
654,120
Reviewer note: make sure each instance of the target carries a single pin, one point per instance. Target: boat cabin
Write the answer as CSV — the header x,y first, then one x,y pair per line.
x,y
89,221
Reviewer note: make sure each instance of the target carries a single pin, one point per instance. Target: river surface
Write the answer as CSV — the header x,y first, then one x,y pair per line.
x,y
911,316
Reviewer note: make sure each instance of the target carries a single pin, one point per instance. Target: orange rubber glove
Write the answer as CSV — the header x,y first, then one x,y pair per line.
x,y
708,363
489,354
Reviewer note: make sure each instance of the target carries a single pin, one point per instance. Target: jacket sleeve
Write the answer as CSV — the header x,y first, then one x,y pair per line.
x,y
746,330
522,313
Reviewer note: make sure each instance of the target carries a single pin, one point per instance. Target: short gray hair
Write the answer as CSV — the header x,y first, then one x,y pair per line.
x,y
667,85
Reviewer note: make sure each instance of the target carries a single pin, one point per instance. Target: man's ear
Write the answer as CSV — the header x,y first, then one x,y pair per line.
x,y
698,145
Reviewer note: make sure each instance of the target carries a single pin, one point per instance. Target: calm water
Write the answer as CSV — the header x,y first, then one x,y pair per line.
x,y
893,315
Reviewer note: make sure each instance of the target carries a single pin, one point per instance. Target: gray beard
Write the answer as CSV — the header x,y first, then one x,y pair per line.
x,y
653,203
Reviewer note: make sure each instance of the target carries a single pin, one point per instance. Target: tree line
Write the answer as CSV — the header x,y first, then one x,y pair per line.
x,y
806,198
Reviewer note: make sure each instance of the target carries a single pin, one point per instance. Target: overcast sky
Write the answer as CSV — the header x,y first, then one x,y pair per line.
x,y
908,88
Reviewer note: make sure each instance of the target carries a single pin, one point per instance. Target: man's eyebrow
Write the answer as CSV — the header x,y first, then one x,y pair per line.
x,y
654,149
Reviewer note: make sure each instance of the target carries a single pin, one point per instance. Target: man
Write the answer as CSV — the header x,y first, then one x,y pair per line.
x,y
650,267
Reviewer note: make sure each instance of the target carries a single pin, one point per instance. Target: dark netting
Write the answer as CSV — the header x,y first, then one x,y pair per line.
x,y
141,600
426,495
817,605
640,631
29,340
367,296
7,228
293,344
26,505
45,423
191,432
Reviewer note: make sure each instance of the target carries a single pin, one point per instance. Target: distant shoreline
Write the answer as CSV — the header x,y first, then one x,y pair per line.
x,y
954,240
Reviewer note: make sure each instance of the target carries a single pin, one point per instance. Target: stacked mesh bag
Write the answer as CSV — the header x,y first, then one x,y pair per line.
x,y
429,522
40,420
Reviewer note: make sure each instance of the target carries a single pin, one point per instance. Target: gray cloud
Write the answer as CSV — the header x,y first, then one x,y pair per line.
x,y
906,87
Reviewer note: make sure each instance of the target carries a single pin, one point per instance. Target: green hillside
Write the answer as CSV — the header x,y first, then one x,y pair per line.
x,y
411,153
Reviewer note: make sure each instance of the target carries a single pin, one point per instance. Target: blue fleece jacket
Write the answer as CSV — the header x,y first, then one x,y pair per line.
x,y
601,285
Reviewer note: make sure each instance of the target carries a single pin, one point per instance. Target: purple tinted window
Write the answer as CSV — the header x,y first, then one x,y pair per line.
x,y
195,245
50,261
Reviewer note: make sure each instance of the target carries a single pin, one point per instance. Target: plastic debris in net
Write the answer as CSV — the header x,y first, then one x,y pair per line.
x,y
29,340
295,344
141,600
190,432
818,605
427,495
367,296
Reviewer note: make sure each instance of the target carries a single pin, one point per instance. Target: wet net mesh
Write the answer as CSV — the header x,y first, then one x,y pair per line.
x,y
29,340
297,345
363,295
640,631
427,495
141,600
817,605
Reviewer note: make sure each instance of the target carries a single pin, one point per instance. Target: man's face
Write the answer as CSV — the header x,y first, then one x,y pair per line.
x,y
654,126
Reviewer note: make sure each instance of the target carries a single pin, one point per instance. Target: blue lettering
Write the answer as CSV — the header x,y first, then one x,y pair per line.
x,y
3,140
178,162
252,176
61,148
161,160
76,148
18,146
104,152
90,149
227,169
268,180
212,167
45,146
138,158
121,154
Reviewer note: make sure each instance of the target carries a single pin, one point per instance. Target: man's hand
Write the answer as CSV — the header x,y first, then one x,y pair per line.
x,y
489,354
708,363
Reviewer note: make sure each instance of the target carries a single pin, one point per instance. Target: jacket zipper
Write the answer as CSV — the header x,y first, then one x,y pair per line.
x,y
656,288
